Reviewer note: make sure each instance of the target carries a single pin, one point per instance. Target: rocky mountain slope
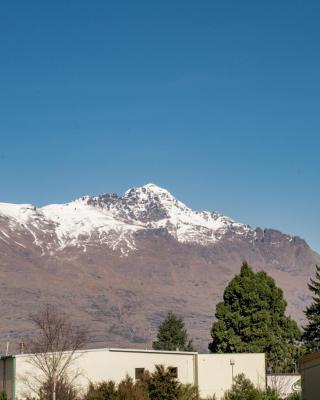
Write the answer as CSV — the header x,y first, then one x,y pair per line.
x,y
120,264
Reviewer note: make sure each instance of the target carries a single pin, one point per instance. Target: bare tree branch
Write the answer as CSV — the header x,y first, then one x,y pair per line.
x,y
53,348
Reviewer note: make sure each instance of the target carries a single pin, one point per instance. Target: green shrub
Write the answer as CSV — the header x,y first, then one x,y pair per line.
x,y
163,385
159,385
129,390
64,390
294,396
3,395
188,392
269,394
126,390
244,389
102,391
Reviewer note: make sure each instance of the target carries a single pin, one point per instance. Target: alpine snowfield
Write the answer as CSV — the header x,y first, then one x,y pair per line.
x,y
113,220
121,263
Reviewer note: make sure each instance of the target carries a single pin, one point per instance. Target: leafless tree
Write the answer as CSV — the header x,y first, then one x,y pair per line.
x,y
53,348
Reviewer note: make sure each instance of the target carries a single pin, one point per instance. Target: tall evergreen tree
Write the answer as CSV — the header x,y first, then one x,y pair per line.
x,y
252,318
311,335
172,335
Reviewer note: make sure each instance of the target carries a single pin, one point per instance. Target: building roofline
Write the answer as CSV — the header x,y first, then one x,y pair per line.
x,y
147,351
119,350
309,357
122,350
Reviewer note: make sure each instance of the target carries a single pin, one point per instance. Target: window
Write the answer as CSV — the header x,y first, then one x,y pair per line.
x,y
174,371
139,372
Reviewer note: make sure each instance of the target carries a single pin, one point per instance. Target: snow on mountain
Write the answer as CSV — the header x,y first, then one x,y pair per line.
x,y
113,220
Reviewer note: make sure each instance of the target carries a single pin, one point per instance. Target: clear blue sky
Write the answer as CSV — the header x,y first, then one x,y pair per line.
x,y
218,101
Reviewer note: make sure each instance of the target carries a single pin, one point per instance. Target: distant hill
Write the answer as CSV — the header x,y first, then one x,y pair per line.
x,y
120,263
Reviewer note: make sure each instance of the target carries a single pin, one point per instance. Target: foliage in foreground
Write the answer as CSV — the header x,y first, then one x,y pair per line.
x,y
3,395
252,319
172,335
160,385
294,396
243,389
65,390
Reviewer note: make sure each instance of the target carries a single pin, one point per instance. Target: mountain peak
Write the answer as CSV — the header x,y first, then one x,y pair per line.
x,y
151,189
113,220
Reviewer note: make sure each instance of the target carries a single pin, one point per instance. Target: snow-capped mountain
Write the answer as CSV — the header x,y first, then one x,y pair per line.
x,y
120,263
113,221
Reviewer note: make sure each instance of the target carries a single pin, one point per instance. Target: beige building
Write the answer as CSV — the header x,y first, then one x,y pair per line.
x,y
310,376
213,373
216,371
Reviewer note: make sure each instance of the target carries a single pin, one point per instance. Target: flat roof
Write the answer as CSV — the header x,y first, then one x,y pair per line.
x,y
149,351
309,357
121,350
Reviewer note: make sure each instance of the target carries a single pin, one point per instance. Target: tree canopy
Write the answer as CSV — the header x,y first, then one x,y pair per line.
x,y
172,335
311,335
252,318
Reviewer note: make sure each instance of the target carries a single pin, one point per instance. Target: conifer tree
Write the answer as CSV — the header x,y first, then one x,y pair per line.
x,y
252,318
311,335
172,335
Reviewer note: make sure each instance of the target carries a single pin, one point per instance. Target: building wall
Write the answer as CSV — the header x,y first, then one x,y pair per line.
x,y
7,375
211,372
113,364
310,377
215,371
